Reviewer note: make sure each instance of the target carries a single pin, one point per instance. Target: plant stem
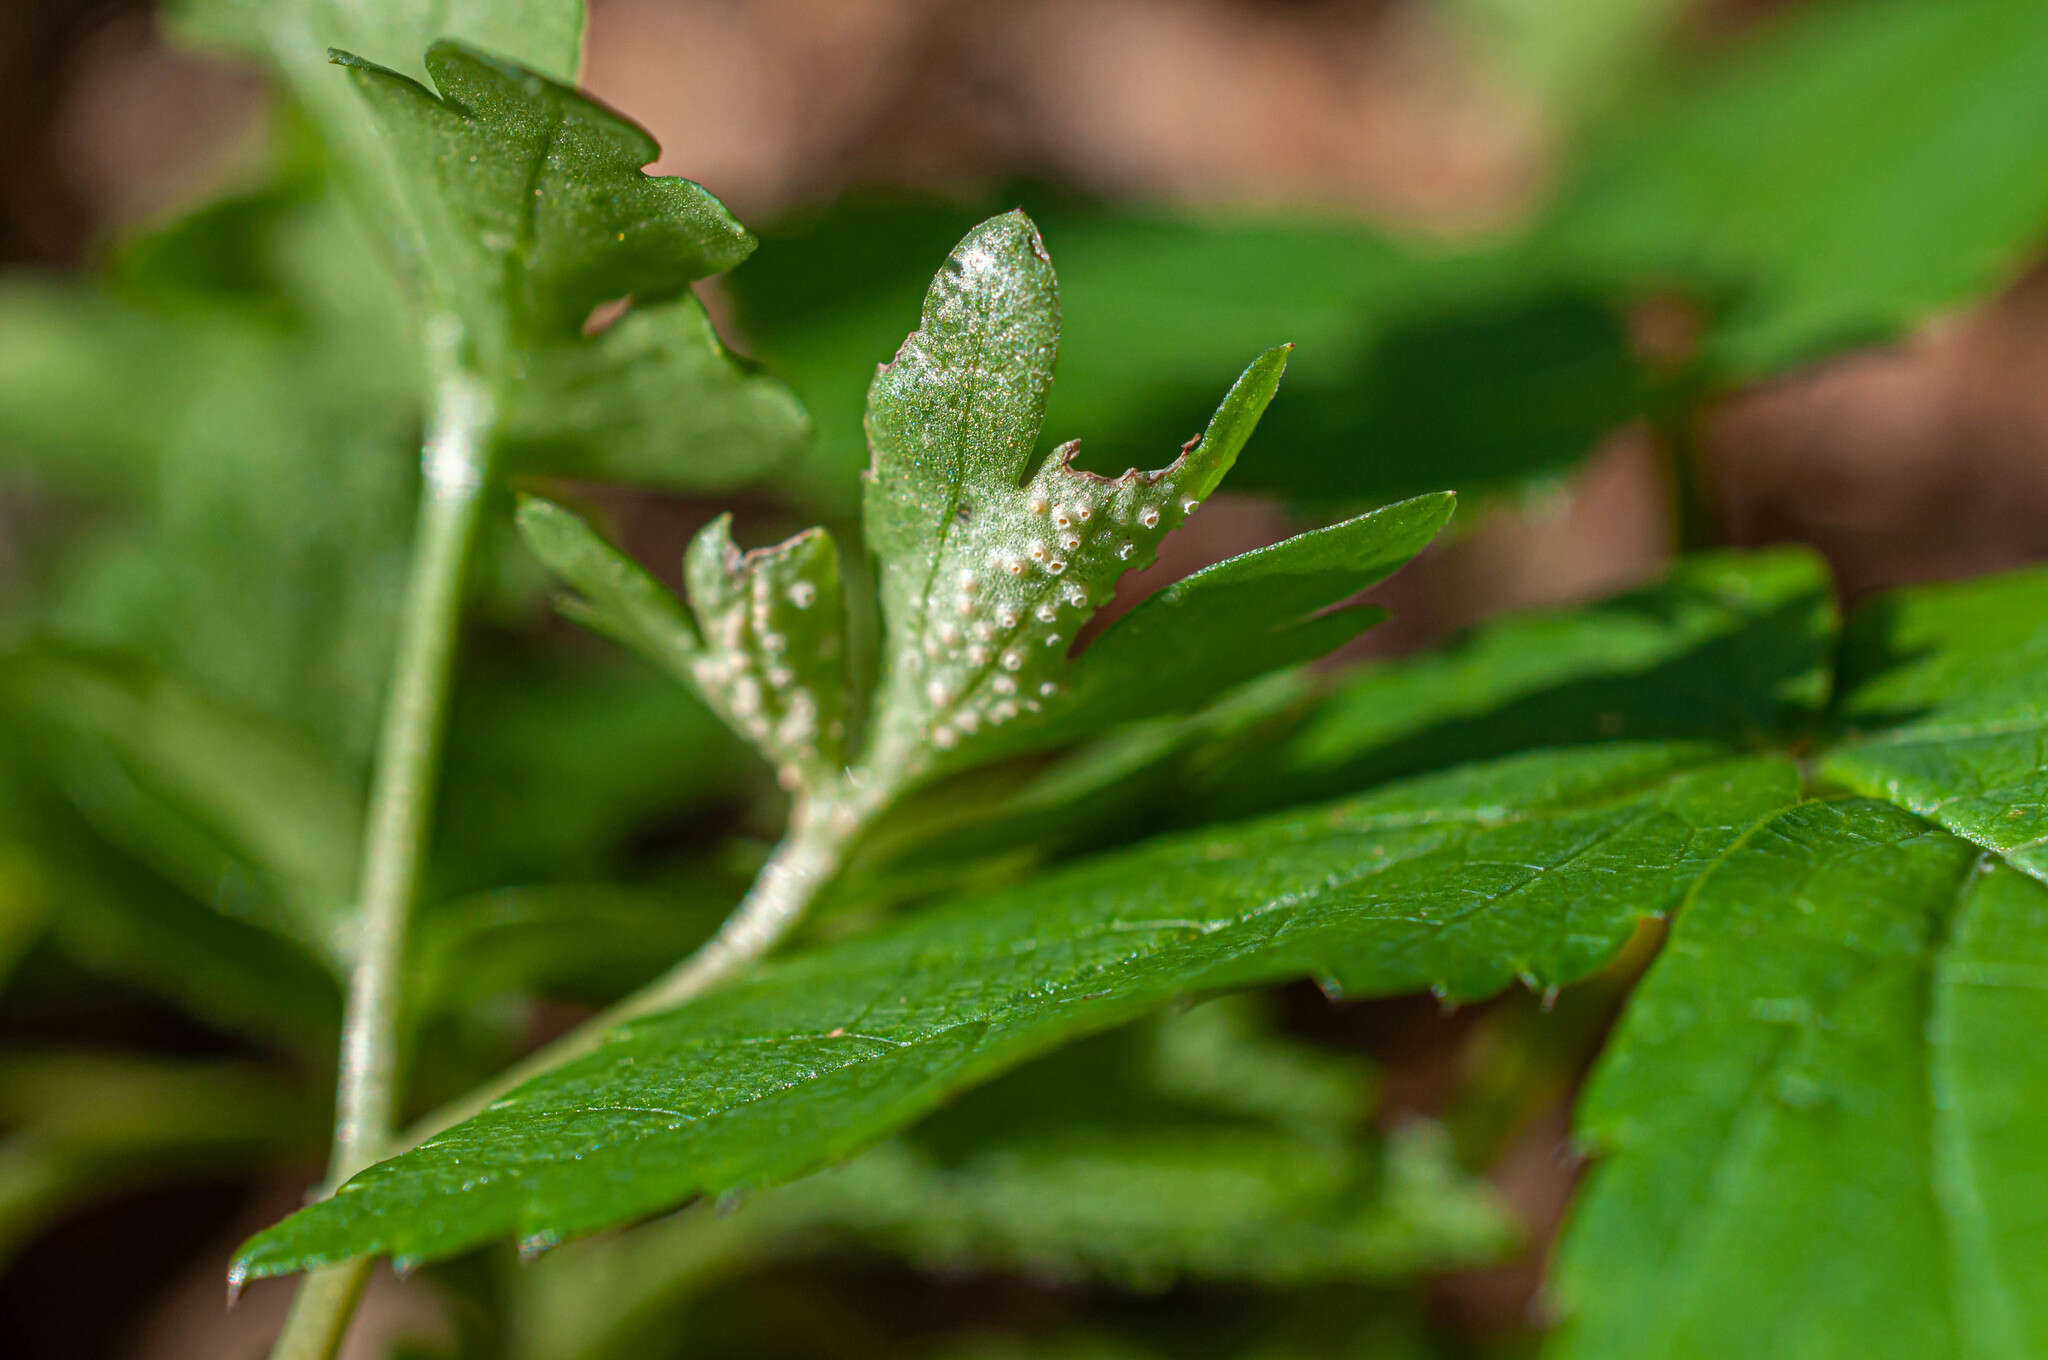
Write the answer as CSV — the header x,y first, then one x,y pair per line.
x,y
321,1310
806,860
454,463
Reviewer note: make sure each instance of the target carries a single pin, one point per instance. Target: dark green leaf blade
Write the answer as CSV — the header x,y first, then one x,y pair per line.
x,y
1536,869
1790,1166
1729,647
1945,713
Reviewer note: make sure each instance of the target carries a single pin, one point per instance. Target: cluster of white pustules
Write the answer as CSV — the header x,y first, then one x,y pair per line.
x,y
746,666
1017,581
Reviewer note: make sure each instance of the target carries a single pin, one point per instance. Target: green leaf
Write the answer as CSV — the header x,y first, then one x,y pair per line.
x,y
1944,713
294,37
654,399
1536,868
528,203
113,917
774,662
1193,1147
1729,647
246,818
1858,167
992,562
765,648
619,597
1821,1120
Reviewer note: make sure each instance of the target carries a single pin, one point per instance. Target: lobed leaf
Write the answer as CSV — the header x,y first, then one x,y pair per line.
x,y
774,659
1943,711
654,399
1821,1120
1535,868
527,201
990,567
765,647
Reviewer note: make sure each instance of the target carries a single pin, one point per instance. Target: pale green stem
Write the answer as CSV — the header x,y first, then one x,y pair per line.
x,y
809,856
454,464
806,860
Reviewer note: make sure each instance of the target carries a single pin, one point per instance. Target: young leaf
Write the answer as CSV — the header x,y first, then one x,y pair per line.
x,y
989,567
766,647
1536,868
1822,1118
1944,710
774,659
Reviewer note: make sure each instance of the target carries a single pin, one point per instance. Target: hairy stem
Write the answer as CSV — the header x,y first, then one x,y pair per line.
x,y
454,462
